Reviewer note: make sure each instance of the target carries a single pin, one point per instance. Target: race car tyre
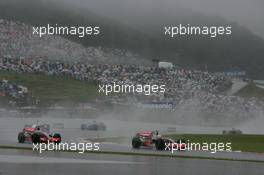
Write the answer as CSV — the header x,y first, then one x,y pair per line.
x,y
160,144
83,127
21,137
56,135
102,127
136,143
36,138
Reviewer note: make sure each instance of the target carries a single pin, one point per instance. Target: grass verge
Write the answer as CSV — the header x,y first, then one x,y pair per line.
x,y
144,154
53,89
251,90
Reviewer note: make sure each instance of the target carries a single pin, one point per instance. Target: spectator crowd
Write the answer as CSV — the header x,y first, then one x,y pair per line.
x,y
17,40
22,52
179,83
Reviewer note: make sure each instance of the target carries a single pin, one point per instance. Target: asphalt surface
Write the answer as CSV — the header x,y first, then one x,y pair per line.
x,y
62,163
16,161
71,133
122,148
237,86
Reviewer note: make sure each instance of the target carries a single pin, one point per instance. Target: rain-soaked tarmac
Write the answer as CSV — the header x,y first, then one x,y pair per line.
x,y
26,162
64,163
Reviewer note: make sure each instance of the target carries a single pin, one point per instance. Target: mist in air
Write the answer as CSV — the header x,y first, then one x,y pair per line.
x,y
244,12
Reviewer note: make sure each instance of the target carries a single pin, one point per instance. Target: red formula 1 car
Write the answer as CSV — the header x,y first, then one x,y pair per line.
x,y
38,133
151,139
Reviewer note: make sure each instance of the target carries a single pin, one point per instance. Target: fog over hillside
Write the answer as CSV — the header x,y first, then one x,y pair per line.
x,y
247,13
137,26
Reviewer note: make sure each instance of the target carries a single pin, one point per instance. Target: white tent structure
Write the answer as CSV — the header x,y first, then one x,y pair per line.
x,y
166,65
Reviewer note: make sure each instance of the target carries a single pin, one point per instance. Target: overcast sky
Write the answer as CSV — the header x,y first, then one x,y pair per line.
x,y
249,13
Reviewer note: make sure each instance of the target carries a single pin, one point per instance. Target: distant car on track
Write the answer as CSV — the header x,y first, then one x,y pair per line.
x,y
38,133
151,139
233,131
94,126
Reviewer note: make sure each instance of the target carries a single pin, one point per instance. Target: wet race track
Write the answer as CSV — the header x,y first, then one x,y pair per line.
x,y
20,161
27,163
